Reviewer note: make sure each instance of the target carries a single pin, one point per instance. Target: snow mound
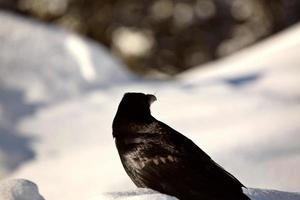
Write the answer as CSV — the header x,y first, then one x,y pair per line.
x,y
259,194
147,194
19,189
41,65
136,194
48,63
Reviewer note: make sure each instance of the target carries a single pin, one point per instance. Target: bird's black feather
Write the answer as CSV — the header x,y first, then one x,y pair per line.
x,y
158,157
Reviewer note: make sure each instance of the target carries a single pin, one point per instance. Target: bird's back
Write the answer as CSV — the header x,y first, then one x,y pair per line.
x,y
158,157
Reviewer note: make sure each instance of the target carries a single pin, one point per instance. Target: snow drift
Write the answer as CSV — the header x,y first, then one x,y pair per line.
x,y
19,189
147,194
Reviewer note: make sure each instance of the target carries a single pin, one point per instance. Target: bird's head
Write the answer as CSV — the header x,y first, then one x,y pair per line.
x,y
134,107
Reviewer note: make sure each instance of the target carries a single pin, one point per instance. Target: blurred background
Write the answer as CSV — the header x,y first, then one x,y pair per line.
x,y
225,73
168,36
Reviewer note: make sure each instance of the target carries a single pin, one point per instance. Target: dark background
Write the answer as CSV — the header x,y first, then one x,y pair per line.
x,y
166,35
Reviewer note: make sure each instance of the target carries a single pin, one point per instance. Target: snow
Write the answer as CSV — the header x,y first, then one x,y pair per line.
x,y
145,194
39,66
49,64
136,194
59,94
19,189
258,194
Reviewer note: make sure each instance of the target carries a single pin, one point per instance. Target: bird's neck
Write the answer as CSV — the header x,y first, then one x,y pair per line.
x,y
122,125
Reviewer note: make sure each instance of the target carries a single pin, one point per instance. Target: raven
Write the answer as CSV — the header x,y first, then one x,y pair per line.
x,y
158,157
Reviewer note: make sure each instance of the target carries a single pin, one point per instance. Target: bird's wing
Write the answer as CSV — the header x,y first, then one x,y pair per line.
x,y
176,161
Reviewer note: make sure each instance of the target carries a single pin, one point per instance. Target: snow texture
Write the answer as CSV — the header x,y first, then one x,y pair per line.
x,y
137,194
19,189
41,65
59,93
49,64
258,194
147,194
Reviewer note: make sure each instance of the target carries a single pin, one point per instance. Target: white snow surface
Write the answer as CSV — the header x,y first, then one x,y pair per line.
x,y
136,194
57,105
147,194
49,64
19,189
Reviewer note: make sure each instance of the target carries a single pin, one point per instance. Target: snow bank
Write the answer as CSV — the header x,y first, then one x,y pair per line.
x,y
147,194
19,189
49,64
41,65
137,194
259,194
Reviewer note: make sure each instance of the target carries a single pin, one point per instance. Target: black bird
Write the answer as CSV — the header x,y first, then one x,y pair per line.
x,y
158,157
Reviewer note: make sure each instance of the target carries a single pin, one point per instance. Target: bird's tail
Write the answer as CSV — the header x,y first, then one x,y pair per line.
x,y
245,197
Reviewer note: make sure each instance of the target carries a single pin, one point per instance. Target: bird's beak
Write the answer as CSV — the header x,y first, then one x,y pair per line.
x,y
152,98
